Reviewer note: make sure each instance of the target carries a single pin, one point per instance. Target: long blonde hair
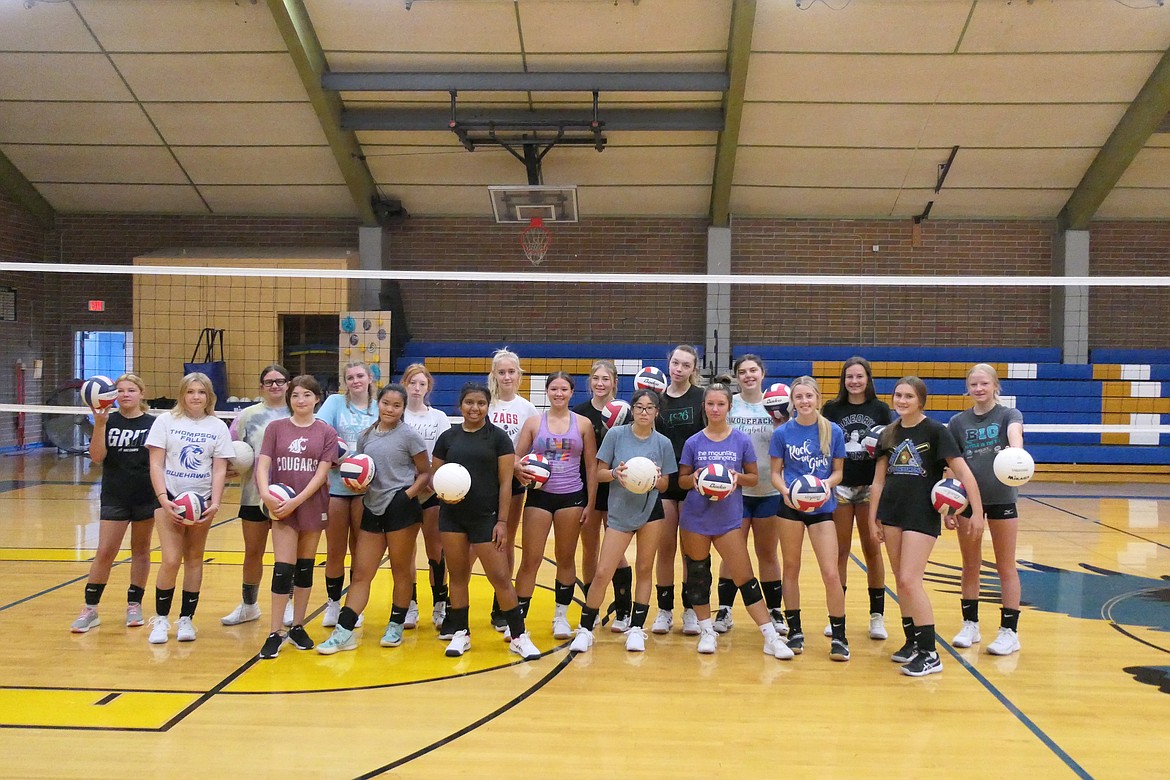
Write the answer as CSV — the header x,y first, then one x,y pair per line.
x,y
499,356
187,381
824,427
344,390
143,406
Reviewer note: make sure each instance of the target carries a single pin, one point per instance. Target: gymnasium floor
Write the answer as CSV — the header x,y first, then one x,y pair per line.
x,y
1087,696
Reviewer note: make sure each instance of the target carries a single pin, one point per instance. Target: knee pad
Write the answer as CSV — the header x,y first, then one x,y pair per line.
x,y
282,578
698,584
303,578
751,592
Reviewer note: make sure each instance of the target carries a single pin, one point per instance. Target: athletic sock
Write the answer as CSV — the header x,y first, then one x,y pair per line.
x,y
135,594
162,600
525,602
924,638
249,592
333,586
792,618
686,598
970,609
93,593
837,624
638,615
190,603
438,579
773,593
347,619
564,595
588,618
877,601
457,619
908,628
726,590
398,614
1009,618
515,618
665,596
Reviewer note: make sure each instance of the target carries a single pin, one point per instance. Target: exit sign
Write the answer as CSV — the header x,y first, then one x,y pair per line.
x,y
97,305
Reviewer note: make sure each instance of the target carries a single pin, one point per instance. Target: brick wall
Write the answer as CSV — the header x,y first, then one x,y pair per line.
x,y
1129,317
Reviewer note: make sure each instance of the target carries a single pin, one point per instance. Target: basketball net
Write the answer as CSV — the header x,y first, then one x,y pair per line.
x,y
535,240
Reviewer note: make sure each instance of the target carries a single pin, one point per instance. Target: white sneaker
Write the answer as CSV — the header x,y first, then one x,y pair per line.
x,y
1006,642
636,640
621,624
778,648
582,641
968,635
828,630
460,644
243,613
560,625
288,614
778,621
708,641
411,616
439,614
723,622
523,647
329,616
360,621
690,623
160,627
877,626
185,630
663,622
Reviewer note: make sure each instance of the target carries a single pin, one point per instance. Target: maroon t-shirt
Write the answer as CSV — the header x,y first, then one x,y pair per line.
x,y
296,453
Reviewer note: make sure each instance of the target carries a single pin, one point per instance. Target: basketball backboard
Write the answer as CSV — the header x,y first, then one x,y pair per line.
x,y
520,204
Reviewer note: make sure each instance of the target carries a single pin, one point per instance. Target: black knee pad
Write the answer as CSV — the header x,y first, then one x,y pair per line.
x,y
282,578
698,584
303,578
751,592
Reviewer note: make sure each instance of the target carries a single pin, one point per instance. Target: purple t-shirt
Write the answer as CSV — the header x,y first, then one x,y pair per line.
x,y
701,515
296,453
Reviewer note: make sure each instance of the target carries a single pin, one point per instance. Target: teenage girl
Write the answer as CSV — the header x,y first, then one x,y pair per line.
x,y
127,500
349,414
390,520
478,523
630,514
429,423
189,450
298,452
913,452
704,523
565,438
249,428
679,418
982,432
808,444
857,409
760,502
603,389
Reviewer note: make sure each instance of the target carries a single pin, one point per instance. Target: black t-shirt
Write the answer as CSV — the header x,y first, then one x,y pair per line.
x,y
593,415
681,418
856,420
126,468
917,457
479,452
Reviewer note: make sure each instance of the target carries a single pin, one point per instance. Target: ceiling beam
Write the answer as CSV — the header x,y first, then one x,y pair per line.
x,y
710,119
292,19
1143,117
21,190
739,50
525,82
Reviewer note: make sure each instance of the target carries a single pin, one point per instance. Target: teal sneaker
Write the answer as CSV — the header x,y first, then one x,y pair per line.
x,y
340,639
393,635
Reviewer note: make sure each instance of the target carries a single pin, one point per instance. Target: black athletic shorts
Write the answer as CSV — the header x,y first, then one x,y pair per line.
x,y
134,512
402,512
554,502
601,499
995,511
808,518
923,525
476,526
431,502
253,514
673,492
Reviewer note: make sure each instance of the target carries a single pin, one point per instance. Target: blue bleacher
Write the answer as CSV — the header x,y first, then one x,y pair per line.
x,y
1138,356
909,354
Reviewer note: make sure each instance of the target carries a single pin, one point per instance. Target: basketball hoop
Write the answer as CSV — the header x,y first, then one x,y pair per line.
x,y
535,240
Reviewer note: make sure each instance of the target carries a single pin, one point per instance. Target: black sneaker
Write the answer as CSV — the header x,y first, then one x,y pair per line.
x,y
838,650
499,622
300,638
923,664
905,654
272,645
796,643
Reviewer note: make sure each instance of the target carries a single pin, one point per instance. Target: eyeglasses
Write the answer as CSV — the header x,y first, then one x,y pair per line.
x,y
274,382
646,409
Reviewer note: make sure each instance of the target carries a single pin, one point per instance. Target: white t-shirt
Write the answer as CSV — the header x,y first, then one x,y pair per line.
x,y
429,425
191,447
509,416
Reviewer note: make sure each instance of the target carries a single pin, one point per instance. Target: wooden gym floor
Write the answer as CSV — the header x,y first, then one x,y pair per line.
x,y
1087,696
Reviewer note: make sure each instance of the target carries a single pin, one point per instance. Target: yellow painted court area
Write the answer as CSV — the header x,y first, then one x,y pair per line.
x,y
91,709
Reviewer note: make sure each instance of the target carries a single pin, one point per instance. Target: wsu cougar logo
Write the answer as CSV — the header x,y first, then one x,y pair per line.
x,y
297,446
190,456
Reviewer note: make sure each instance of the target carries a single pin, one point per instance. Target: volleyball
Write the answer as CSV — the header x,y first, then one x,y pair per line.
x,y
714,482
651,378
616,412
342,453
243,456
98,392
808,493
871,440
777,398
190,506
948,496
357,472
280,492
537,467
1014,466
451,482
641,474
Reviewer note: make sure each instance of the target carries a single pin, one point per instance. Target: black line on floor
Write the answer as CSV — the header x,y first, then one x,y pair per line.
x,y
1102,524
106,699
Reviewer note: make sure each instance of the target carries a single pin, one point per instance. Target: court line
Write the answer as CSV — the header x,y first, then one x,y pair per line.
x,y
1101,523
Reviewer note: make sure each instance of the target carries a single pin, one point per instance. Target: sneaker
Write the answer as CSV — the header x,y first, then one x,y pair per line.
x,y
795,643
560,625
272,645
134,614
723,621
411,615
288,614
243,613
777,647
636,640
582,641
185,630
328,617
838,650
340,639
923,664
86,620
778,621
393,635
968,635
300,638
499,622
523,647
877,626
621,623
663,622
361,621
708,641
439,614
828,630
905,653
460,644
160,626
690,623
1006,642
445,632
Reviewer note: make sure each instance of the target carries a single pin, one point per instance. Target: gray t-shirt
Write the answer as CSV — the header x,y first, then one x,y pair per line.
x,y
393,452
981,438
629,511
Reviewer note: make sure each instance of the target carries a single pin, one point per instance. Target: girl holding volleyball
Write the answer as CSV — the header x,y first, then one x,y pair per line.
x,y
127,500
390,520
809,445
189,450
477,524
983,431
913,451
